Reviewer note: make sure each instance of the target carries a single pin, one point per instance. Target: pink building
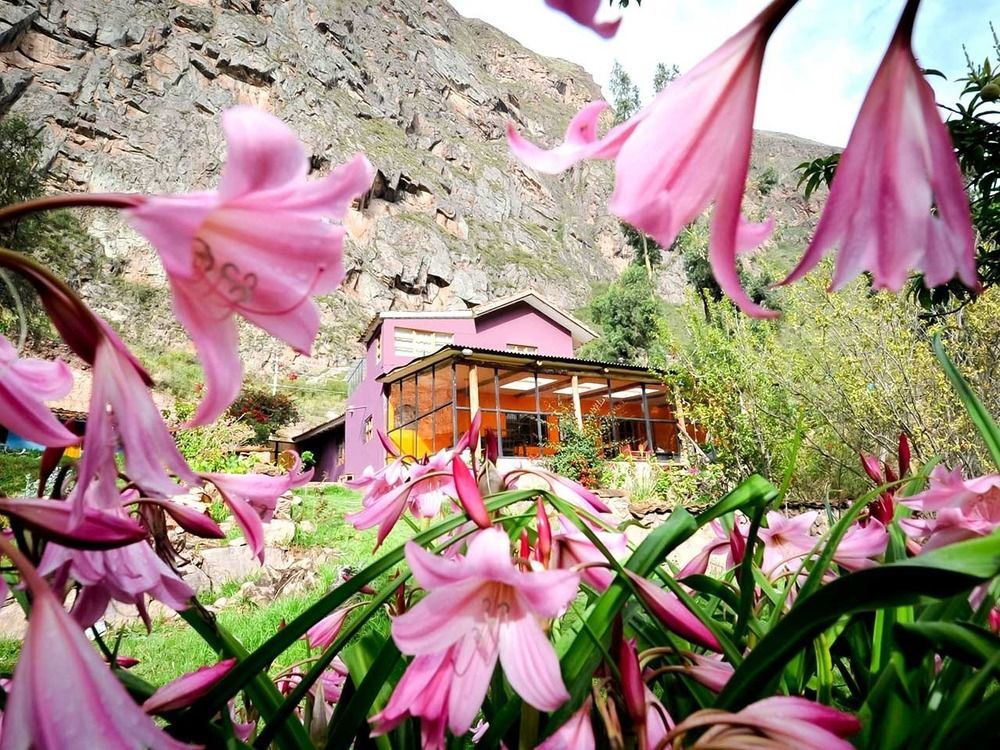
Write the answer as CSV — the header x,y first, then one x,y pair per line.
x,y
425,373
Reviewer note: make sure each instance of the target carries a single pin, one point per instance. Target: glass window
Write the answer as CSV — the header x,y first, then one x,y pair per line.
x,y
407,402
425,436
517,389
443,437
411,342
442,385
462,385
487,388
425,391
369,430
665,437
520,435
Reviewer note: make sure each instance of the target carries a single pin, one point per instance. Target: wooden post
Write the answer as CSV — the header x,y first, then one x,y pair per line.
x,y
577,409
474,399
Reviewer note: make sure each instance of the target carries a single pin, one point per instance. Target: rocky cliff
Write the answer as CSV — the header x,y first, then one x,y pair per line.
x,y
128,94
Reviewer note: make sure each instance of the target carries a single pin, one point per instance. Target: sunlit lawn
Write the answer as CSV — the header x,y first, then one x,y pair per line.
x,y
173,648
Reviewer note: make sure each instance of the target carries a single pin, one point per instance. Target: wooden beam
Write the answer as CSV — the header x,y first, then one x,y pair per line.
x,y
577,409
473,397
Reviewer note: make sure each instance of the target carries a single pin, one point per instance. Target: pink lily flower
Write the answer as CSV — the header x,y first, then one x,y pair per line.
x,y
786,721
785,540
122,410
562,487
711,671
126,574
948,489
325,632
191,520
260,246
689,148
734,543
658,721
480,608
376,483
433,484
333,680
24,386
860,544
252,499
425,488
54,520
187,688
441,693
897,201
576,734
571,548
672,612
584,12
63,695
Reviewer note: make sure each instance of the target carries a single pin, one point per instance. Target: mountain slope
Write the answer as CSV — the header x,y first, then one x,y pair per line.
x,y
129,95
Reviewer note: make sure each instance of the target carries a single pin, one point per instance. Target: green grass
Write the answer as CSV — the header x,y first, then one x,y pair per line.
x,y
16,469
173,648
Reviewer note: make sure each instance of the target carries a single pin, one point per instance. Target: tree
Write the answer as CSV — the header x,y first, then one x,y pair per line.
x,y
664,76
264,412
56,239
630,316
624,93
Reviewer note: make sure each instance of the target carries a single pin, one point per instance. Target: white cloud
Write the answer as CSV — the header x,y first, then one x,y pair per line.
x,y
819,62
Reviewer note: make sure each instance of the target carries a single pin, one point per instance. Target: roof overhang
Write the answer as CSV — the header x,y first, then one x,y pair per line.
x,y
320,429
530,362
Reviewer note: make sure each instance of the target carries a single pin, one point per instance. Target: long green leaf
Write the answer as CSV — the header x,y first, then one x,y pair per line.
x,y
961,640
371,675
941,573
980,417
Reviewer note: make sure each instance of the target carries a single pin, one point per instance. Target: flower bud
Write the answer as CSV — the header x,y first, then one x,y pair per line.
x,y
903,455
633,688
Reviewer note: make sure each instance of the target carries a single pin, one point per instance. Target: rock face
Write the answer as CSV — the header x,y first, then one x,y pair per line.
x,y
129,92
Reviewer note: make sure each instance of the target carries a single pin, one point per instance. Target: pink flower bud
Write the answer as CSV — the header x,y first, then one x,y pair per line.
x,y
543,548
468,493
633,688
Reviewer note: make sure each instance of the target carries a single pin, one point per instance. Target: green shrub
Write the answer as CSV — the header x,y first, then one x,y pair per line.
x,y
263,412
579,454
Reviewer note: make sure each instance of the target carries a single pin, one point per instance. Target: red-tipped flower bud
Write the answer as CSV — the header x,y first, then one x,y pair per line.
x,y
492,445
903,454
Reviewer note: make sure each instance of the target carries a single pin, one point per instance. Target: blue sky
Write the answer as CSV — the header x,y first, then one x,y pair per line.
x,y
819,62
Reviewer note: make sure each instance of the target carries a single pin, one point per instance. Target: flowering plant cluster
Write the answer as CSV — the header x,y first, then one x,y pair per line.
x,y
520,613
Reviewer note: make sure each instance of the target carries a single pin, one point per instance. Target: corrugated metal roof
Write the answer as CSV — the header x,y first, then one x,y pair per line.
x,y
502,355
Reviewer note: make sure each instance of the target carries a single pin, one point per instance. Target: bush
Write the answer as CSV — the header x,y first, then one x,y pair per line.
x,y
263,412
214,448
691,486
579,454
